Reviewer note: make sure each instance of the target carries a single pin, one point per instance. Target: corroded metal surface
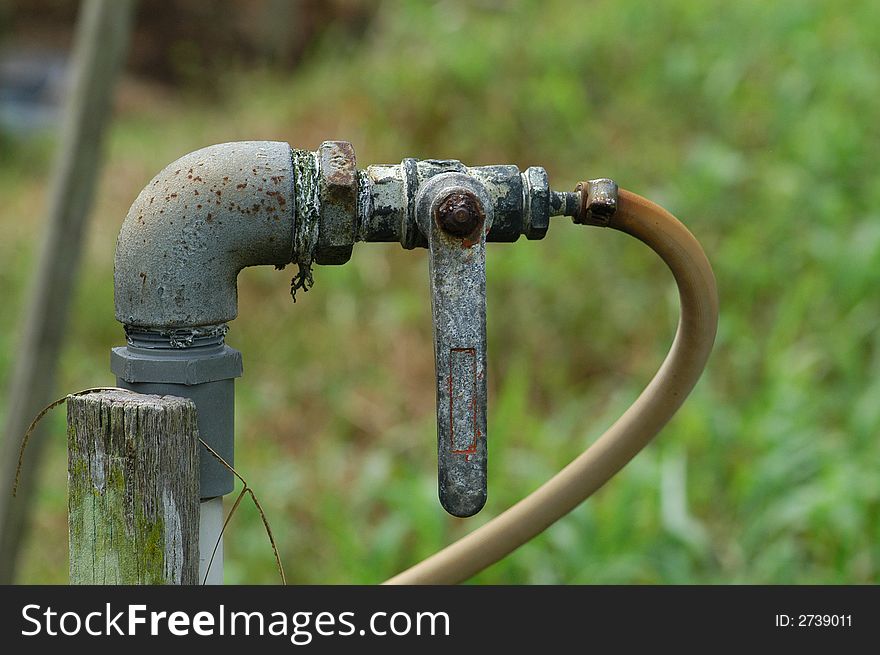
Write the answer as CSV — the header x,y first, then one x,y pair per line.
x,y
339,202
504,186
536,212
195,226
598,202
459,213
382,204
521,202
457,264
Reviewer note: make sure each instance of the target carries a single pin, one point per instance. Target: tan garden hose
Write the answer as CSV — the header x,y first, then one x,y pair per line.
x,y
678,374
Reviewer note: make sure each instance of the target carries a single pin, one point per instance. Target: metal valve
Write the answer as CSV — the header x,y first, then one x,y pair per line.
x,y
455,213
452,210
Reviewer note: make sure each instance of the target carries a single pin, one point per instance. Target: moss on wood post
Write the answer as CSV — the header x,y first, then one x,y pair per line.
x,y
133,478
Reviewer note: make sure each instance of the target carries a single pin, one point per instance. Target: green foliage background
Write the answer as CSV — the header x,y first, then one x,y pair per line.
x,y
753,121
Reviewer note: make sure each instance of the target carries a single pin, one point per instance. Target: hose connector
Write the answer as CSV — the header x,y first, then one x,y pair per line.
x,y
598,202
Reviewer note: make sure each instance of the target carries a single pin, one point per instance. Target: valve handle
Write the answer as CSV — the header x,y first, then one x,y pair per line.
x,y
455,215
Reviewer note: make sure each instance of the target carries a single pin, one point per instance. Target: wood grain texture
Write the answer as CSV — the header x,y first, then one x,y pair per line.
x,y
133,479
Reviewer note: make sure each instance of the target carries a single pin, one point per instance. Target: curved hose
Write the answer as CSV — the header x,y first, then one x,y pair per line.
x,y
678,374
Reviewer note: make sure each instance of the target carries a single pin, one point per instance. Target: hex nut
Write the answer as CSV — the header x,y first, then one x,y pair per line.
x,y
339,194
536,210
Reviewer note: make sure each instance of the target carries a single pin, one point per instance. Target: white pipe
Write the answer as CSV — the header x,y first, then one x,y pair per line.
x,y
210,527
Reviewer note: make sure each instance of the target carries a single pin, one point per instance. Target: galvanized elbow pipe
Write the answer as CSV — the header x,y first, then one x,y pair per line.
x,y
195,226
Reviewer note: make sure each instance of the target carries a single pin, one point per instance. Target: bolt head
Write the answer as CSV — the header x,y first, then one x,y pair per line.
x,y
460,213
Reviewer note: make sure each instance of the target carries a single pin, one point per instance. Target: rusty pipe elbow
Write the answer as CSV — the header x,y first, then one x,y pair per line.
x,y
199,222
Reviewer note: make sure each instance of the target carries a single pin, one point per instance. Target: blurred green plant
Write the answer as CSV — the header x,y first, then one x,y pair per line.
x,y
751,121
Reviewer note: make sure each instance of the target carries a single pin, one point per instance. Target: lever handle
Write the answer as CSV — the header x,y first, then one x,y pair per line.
x,y
456,219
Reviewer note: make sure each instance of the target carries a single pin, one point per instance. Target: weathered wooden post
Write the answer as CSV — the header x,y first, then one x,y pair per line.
x,y
133,476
